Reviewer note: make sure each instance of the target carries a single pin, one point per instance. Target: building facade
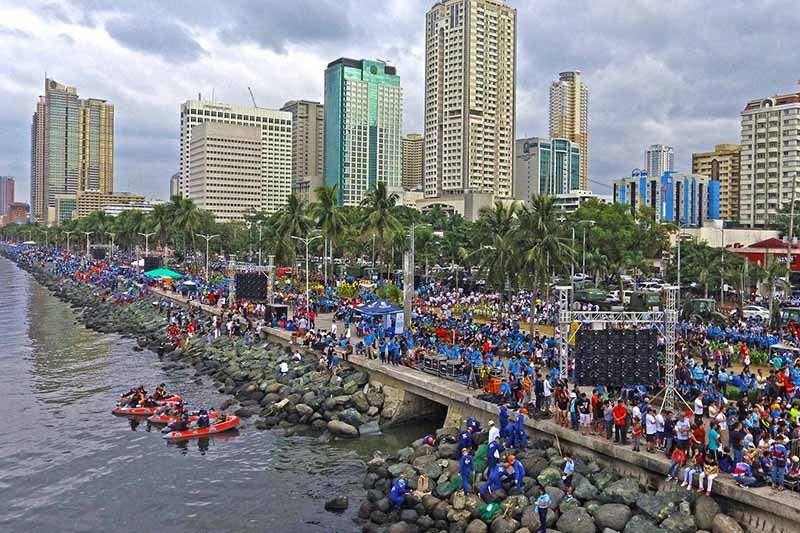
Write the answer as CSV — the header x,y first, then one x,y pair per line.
x,y
723,165
225,170
470,98
276,144
18,213
571,201
545,166
659,158
72,147
308,141
96,146
363,124
678,198
6,193
569,116
413,161
175,185
770,159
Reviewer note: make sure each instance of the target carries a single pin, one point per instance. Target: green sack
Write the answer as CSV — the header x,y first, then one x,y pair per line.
x,y
489,511
479,462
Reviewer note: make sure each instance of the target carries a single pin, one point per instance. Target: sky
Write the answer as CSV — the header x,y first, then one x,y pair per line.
x,y
676,72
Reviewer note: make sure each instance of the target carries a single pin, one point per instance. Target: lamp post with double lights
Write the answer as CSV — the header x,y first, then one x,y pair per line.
x,y
307,241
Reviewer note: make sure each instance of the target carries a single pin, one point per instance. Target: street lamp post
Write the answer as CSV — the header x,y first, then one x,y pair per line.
x,y
307,241
68,233
87,233
208,240
147,241
111,234
259,242
583,261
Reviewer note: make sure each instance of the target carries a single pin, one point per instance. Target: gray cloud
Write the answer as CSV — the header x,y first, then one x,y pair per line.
x,y
163,38
677,72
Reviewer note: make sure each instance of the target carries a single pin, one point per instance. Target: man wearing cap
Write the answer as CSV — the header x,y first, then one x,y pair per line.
x,y
493,431
466,468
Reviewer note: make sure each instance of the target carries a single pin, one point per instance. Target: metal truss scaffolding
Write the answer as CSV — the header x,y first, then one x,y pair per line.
x,y
668,318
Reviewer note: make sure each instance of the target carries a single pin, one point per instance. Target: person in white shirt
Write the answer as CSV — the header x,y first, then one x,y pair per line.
x,y
284,367
547,388
698,409
334,327
651,430
493,431
660,437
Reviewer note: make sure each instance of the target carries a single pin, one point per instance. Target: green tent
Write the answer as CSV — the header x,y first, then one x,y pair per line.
x,y
163,273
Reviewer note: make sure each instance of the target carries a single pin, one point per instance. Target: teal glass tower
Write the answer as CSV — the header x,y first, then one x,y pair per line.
x,y
363,127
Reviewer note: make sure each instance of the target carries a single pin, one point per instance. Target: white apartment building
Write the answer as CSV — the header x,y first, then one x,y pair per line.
x,y
276,144
470,73
770,159
569,116
659,158
225,170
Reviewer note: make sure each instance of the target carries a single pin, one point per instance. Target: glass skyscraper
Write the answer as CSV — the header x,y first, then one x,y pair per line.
x,y
363,125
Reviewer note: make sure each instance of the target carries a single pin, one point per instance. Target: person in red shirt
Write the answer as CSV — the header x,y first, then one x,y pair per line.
x,y
697,439
620,414
678,459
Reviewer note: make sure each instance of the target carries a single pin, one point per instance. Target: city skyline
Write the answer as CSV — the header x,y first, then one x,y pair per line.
x,y
690,101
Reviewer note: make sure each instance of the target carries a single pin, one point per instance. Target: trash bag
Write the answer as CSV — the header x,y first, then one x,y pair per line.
x,y
479,462
489,511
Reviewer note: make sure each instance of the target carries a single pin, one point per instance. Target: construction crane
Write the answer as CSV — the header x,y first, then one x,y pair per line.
x,y
253,98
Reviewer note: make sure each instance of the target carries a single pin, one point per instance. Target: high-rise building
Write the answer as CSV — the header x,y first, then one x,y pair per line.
x,y
175,185
569,116
225,170
770,159
688,199
363,124
308,134
545,166
659,158
96,146
72,147
413,161
6,193
276,144
723,164
470,73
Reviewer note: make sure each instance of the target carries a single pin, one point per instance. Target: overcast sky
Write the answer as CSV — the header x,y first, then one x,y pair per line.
x,y
676,72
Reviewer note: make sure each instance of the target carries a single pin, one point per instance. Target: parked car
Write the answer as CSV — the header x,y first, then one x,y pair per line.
x,y
755,311
651,286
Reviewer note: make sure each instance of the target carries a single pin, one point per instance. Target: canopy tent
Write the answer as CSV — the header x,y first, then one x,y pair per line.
x,y
390,314
378,308
163,273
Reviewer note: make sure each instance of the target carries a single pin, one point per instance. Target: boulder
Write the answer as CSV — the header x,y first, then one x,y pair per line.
x,y
398,468
303,409
604,478
403,527
534,465
568,504
576,521
550,476
584,490
375,398
556,495
679,523
641,524
662,504
725,524
429,502
350,416
477,526
705,509
409,515
613,516
624,491
504,525
337,504
342,429
530,518
360,402
440,511
447,450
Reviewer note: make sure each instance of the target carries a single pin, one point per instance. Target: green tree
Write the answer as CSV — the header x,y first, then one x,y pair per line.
x,y
379,221
329,219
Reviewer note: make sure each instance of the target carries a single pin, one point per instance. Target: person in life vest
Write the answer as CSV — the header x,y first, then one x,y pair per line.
x,y
202,419
495,480
466,468
519,472
160,392
182,424
399,490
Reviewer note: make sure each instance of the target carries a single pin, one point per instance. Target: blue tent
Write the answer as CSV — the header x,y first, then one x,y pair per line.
x,y
378,308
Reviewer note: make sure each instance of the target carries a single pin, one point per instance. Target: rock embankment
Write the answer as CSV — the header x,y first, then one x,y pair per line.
x,y
602,500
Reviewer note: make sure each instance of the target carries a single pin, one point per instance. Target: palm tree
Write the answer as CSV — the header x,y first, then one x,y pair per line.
x,y
379,221
160,220
541,242
702,261
329,219
497,231
292,219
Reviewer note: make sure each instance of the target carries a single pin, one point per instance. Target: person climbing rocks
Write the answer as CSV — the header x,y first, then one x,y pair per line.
x,y
495,480
569,470
399,489
465,440
493,452
466,468
519,472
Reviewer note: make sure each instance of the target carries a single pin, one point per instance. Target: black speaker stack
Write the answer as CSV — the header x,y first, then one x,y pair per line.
x,y
616,357
152,262
251,286
99,253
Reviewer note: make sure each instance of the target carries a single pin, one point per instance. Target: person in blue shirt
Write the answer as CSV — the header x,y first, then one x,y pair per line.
x,y
503,417
493,452
569,470
495,480
543,504
399,489
520,438
519,472
505,390
474,424
465,469
465,440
